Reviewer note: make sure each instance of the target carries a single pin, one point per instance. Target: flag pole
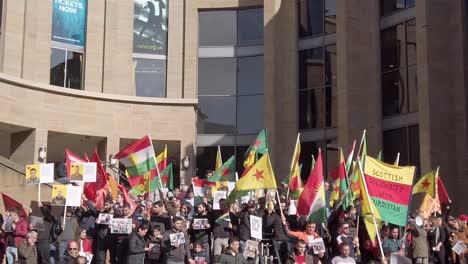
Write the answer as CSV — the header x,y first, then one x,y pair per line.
x,y
156,161
292,164
397,160
64,215
371,208
436,195
362,142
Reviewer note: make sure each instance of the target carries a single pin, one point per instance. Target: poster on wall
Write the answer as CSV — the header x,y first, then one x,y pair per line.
x,y
150,27
69,22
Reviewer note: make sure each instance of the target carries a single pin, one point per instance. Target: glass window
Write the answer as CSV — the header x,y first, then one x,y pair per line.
x,y
330,65
412,89
311,68
150,77
311,109
392,50
394,93
249,114
330,106
330,16
330,157
411,42
414,154
217,76
206,157
217,28
250,27
311,18
216,115
404,141
250,75
390,6
66,69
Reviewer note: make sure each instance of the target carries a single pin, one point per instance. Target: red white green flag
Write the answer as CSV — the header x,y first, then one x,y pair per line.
x,y
139,157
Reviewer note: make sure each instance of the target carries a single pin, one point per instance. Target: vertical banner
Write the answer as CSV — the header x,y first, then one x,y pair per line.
x,y
69,22
390,189
150,26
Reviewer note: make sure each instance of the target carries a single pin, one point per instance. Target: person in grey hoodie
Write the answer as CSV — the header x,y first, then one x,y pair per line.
x,y
136,245
175,244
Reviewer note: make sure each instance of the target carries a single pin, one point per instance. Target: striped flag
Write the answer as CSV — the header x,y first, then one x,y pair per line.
x,y
295,183
224,217
312,200
139,157
161,159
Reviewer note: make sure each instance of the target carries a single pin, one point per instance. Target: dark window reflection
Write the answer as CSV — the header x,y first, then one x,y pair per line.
x,y
311,109
250,75
311,68
216,115
217,28
399,78
206,157
250,27
66,68
330,65
390,6
249,114
330,157
330,16
311,18
150,77
404,141
217,76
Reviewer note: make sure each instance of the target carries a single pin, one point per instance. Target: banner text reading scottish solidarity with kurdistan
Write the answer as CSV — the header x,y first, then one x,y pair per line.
x,y
390,189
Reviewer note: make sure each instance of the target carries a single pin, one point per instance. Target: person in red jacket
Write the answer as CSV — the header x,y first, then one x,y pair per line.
x,y
20,227
84,243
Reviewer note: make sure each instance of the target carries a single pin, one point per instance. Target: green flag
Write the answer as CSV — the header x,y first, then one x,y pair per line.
x,y
227,171
167,179
259,146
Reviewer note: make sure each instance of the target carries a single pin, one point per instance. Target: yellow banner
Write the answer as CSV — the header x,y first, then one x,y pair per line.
x,y
388,172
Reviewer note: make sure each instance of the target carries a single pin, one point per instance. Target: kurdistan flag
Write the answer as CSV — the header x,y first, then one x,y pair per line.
x,y
340,186
258,176
312,200
226,172
139,157
389,188
259,146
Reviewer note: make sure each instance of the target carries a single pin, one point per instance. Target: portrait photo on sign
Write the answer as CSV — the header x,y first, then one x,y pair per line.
x,y
76,172
318,246
177,239
59,194
200,223
121,226
251,248
200,260
105,219
33,174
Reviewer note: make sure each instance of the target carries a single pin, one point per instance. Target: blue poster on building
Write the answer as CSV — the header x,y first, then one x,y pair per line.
x,y
69,22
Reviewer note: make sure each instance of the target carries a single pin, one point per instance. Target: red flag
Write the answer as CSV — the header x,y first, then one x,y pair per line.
x,y
100,199
92,188
11,203
71,158
127,198
442,193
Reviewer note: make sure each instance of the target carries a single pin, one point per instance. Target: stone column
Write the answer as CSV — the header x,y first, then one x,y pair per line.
x,y
25,146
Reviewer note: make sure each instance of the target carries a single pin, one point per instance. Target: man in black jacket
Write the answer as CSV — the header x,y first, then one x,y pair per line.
x,y
274,226
47,237
201,233
136,245
175,244
102,232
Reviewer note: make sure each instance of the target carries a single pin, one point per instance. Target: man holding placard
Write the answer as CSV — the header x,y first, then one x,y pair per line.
x,y
175,244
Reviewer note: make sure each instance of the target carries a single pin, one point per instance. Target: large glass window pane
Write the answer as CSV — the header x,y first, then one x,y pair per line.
x,y
216,115
217,28
250,27
57,67
390,6
410,3
411,42
395,141
330,16
74,70
311,109
206,157
307,150
330,106
392,49
217,76
250,75
330,65
394,93
311,68
249,114
310,18
150,77
412,89
414,156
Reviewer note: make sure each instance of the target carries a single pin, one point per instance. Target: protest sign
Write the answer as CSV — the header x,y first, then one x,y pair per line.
x,y
177,239
59,194
200,223
85,171
318,246
218,195
105,219
200,260
73,195
39,173
37,223
397,259
256,227
459,247
250,249
121,226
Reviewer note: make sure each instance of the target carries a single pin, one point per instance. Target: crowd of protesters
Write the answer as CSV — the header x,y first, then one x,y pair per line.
x,y
158,216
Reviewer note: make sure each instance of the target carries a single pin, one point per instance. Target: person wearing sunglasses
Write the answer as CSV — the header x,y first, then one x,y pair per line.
x,y
344,237
71,254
